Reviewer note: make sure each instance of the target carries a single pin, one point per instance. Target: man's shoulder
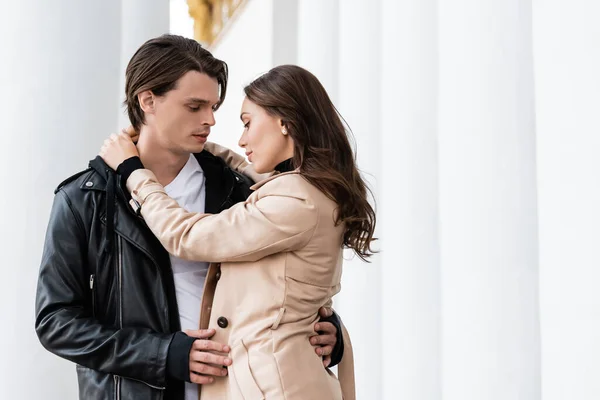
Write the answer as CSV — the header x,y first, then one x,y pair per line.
x,y
73,180
88,179
82,181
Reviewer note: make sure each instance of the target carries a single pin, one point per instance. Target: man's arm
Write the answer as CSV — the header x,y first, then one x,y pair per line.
x,y
64,320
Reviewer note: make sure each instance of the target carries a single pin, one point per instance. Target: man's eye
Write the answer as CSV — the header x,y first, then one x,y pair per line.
x,y
194,109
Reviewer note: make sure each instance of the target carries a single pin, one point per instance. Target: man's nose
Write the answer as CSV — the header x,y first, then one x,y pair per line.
x,y
209,118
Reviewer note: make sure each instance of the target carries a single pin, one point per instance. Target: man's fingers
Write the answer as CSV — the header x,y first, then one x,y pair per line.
x,y
324,351
205,369
209,345
126,138
326,327
210,358
325,312
201,379
200,334
130,131
327,361
323,340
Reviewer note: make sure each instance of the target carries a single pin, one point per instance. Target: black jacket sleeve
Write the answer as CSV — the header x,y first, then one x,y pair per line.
x,y
64,318
338,350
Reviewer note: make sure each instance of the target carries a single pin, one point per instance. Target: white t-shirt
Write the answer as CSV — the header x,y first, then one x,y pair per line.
x,y
188,189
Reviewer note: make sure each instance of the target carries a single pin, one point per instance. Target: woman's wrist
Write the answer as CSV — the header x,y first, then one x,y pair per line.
x,y
126,168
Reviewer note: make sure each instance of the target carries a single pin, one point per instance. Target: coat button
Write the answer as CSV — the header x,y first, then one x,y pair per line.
x,y
89,184
218,275
222,322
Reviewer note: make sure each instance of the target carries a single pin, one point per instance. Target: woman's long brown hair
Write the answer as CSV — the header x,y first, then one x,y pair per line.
x,y
322,150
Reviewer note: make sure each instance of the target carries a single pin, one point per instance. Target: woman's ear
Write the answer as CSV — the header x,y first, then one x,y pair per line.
x,y
284,129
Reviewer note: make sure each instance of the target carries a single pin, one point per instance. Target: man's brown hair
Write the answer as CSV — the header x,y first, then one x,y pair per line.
x,y
159,63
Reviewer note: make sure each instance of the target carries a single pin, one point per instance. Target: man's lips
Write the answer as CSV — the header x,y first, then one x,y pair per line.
x,y
201,137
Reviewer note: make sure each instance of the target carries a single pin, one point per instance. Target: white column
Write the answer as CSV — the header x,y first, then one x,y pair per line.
x,y
488,204
285,31
567,106
318,41
141,20
409,201
359,103
59,75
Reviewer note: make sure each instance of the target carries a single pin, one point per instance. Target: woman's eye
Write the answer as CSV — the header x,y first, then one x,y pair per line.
x,y
246,125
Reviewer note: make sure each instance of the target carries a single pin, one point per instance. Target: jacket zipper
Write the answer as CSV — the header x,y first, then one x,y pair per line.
x,y
120,284
141,249
117,387
120,278
120,275
92,277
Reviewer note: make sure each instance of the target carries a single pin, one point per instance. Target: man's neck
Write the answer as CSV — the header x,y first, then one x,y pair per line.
x,y
164,163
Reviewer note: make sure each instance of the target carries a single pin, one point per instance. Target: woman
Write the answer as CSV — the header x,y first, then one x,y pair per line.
x,y
284,259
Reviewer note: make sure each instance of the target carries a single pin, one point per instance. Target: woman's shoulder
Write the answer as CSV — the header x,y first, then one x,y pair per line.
x,y
291,183
294,184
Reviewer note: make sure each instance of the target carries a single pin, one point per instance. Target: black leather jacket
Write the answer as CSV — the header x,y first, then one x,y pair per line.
x,y
106,297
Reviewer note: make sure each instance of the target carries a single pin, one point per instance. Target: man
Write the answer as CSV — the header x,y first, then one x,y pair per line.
x,y
109,297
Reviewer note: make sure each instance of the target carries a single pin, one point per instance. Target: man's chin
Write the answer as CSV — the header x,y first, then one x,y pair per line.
x,y
196,148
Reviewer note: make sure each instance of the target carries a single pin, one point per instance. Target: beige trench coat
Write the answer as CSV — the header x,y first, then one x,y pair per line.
x,y
277,259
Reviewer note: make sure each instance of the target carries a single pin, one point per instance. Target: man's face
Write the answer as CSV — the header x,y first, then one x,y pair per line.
x,y
182,118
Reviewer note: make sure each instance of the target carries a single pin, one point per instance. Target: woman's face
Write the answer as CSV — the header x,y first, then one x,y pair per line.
x,y
263,139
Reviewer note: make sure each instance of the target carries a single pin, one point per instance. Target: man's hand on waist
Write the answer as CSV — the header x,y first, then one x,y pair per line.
x,y
205,360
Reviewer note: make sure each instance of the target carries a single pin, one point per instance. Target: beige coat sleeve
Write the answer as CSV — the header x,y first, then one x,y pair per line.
x,y
270,222
235,161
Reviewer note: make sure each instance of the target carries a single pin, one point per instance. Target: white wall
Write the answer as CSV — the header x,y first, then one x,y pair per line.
x,y
567,66
487,197
180,21
411,299
59,76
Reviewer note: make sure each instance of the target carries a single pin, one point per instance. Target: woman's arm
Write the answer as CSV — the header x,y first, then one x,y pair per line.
x,y
266,224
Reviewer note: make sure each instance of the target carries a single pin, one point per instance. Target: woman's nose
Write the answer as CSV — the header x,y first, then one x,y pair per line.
x,y
242,142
